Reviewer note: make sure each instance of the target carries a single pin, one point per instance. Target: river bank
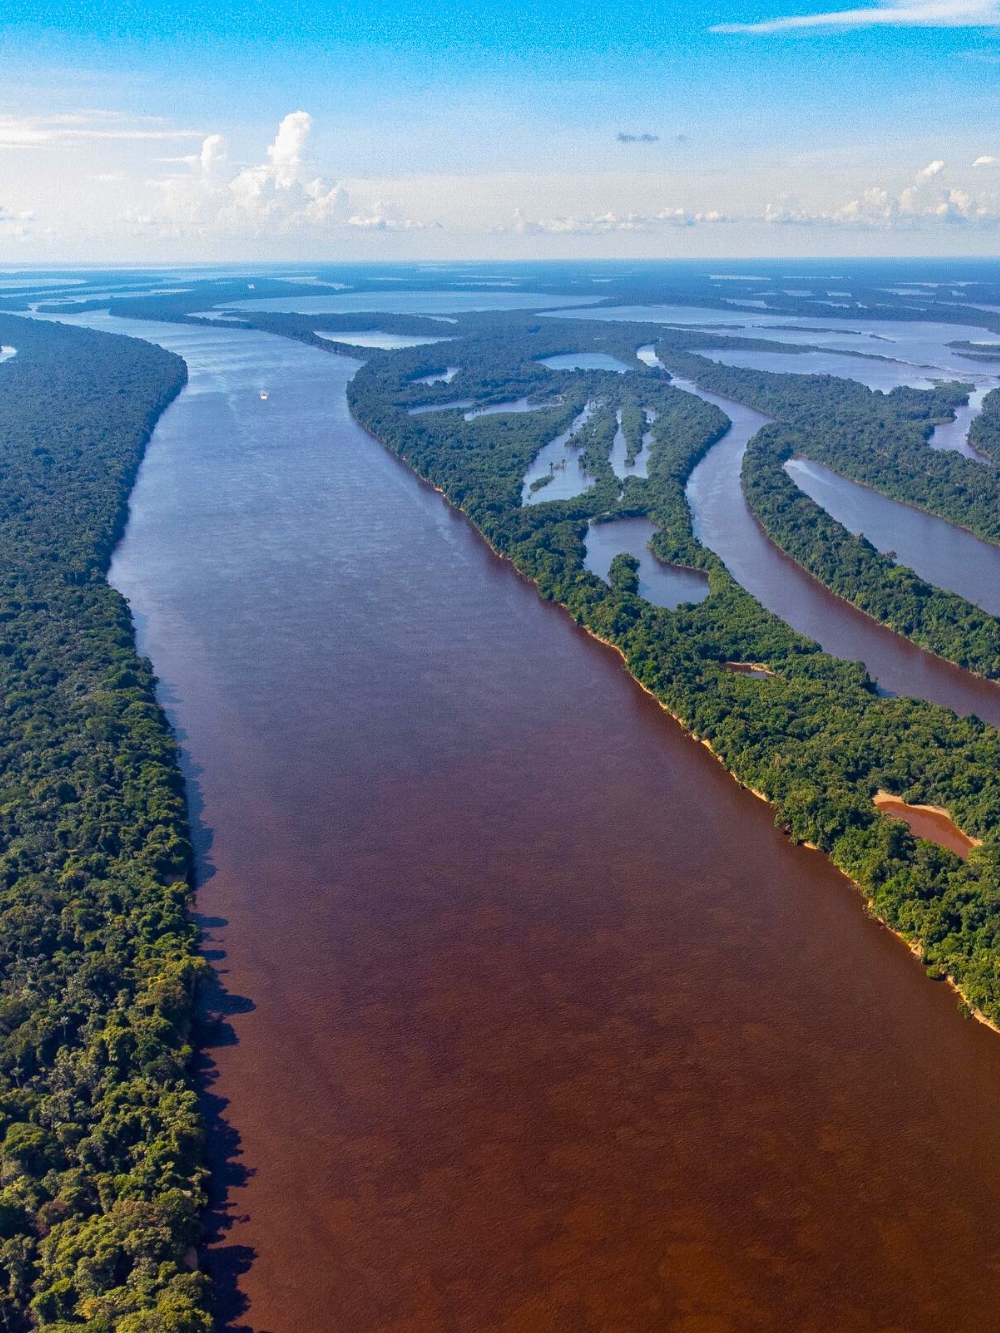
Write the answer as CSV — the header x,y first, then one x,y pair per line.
x,y
913,945
532,1016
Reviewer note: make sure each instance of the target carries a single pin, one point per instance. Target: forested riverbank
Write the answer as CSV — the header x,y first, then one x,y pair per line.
x,y
984,433
563,890
816,739
879,440
101,1135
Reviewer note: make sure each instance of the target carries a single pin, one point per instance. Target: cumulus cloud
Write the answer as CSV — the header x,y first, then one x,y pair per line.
x,y
916,14
382,217
986,161
637,138
278,195
596,224
877,208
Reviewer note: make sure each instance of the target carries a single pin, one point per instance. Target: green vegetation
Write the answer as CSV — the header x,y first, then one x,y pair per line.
x,y
816,738
984,433
851,567
633,428
101,1138
624,573
874,438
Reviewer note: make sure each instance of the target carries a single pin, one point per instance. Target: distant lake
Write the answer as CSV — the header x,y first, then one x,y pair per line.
x,y
664,585
410,303
922,343
585,361
387,342
884,375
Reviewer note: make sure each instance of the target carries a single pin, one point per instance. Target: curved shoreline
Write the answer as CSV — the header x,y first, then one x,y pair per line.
x,y
912,945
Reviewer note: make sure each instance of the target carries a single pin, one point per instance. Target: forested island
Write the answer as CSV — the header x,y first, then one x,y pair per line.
x,y
815,737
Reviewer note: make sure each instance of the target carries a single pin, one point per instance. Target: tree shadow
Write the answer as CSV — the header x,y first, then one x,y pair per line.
x,y
224,1263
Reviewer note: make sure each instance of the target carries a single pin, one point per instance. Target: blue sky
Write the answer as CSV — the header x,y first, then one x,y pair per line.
x,y
431,128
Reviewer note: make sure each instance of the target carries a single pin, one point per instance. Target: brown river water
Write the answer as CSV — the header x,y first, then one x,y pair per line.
x,y
535,1022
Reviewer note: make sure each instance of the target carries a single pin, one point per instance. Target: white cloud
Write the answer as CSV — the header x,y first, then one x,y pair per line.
x,y
286,151
596,224
918,205
986,161
278,196
46,131
382,217
15,224
918,14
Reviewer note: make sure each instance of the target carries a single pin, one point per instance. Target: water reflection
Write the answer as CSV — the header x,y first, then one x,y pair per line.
x,y
664,585
585,361
943,554
558,465
724,523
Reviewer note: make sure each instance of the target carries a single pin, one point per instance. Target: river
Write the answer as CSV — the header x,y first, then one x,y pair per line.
x,y
537,1023
724,523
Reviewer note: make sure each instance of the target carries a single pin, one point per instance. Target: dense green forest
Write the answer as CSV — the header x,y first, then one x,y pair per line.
x,y
984,433
101,1137
815,738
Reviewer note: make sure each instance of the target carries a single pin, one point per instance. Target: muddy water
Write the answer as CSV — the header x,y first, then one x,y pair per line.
x,y
928,821
724,523
543,1026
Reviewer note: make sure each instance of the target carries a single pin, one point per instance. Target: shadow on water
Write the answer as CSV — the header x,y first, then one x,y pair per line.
x,y
224,1264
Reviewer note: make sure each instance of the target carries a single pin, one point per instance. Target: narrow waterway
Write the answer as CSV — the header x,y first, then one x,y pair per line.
x,y
955,434
557,465
724,523
537,1023
943,554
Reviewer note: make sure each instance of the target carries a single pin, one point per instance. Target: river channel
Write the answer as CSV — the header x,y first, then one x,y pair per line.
x,y
537,1023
